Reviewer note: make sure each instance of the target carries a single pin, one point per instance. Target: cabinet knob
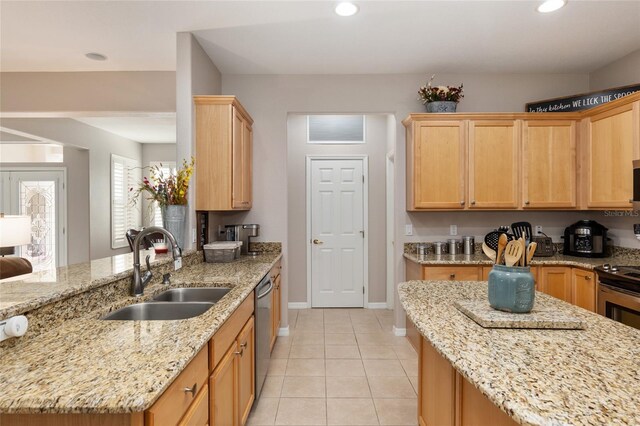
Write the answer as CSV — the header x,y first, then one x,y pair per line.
x,y
452,276
462,202
242,347
631,200
527,202
473,202
587,277
192,390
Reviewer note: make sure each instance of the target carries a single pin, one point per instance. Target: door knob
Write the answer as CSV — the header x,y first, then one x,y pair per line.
x,y
316,241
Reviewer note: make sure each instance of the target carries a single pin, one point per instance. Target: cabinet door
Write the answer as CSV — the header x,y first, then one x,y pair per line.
x,y
198,413
612,143
436,388
437,165
584,289
223,391
246,370
556,282
247,151
549,164
494,158
275,310
238,161
453,273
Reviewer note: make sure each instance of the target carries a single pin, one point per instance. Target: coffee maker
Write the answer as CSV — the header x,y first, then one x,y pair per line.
x,y
243,233
585,238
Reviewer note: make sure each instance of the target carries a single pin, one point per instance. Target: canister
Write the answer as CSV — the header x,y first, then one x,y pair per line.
x,y
422,249
468,245
440,247
454,246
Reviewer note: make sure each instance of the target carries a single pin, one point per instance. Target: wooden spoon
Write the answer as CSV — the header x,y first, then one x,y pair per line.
x,y
523,257
513,253
502,243
531,251
491,254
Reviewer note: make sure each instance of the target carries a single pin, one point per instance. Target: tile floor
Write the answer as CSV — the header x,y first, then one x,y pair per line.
x,y
340,367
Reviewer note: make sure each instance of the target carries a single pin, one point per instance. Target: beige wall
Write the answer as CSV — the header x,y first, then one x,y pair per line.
x,y
623,72
147,91
76,161
297,150
271,98
100,145
195,75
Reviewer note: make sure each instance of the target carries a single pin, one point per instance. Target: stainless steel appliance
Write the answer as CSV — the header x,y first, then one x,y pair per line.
x,y
263,330
585,238
545,246
243,233
454,246
440,247
468,245
619,293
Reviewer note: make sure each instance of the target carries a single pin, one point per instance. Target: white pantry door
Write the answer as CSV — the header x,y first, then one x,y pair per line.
x,y
337,233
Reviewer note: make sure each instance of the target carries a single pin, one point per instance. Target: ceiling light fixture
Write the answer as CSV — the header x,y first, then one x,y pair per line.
x,y
346,9
96,56
551,6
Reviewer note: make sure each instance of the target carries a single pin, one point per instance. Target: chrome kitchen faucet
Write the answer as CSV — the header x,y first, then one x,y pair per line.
x,y
138,281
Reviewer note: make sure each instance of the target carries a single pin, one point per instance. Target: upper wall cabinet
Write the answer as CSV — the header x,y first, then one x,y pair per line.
x,y
224,139
549,164
494,158
611,143
436,157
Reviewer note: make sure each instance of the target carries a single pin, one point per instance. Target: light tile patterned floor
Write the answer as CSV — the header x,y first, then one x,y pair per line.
x,y
340,367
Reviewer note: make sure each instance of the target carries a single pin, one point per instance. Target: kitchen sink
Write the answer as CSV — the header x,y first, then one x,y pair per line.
x,y
159,311
193,294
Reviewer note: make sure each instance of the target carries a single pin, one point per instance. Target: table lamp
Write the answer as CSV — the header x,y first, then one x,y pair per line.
x,y
14,231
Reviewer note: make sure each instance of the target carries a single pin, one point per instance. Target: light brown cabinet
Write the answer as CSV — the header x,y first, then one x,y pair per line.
x,y
223,405
245,351
612,142
276,301
436,164
549,164
494,157
556,281
583,289
445,398
224,140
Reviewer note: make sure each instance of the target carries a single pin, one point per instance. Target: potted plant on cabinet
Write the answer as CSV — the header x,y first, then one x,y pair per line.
x,y
170,192
440,98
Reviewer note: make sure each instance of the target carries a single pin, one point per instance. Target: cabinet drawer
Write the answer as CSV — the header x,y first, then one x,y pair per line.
x,y
175,401
198,413
227,334
453,273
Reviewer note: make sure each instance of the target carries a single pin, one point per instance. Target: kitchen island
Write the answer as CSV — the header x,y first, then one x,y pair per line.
x,y
472,375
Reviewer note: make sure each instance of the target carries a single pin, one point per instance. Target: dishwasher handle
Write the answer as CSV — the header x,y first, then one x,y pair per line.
x,y
261,295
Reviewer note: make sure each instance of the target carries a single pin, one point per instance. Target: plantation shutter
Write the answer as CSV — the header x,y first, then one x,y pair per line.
x,y
168,168
125,174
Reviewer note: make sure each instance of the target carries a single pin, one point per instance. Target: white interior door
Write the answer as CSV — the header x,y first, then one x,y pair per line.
x,y
337,233
41,195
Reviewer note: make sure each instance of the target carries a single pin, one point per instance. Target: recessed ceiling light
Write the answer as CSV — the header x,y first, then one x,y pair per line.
x,y
346,9
96,56
551,6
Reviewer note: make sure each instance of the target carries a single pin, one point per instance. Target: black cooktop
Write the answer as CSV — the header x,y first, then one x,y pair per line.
x,y
627,277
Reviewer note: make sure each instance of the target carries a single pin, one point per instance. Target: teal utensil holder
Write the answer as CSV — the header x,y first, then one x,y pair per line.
x,y
511,289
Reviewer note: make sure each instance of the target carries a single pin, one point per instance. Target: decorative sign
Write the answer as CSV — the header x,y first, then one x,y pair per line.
x,y
581,102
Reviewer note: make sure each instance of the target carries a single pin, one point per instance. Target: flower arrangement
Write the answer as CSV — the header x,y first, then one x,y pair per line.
x,y
431,93
167,190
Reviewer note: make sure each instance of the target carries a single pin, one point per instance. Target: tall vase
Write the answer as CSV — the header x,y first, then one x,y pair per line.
x,y
173,220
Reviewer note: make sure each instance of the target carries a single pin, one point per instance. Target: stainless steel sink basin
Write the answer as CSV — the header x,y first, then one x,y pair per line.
x,y
193,294
159,311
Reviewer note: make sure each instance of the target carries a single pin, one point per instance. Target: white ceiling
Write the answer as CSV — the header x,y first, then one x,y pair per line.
x,y
148,129
307,37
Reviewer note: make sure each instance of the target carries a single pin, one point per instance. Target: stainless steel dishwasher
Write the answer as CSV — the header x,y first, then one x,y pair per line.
x,y
263,330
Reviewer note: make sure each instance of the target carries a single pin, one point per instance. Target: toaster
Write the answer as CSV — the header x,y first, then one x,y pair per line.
x,y
545,246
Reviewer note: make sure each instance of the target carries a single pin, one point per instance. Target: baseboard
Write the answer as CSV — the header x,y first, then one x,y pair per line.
x,y
399,331
298,305
377,305
283,331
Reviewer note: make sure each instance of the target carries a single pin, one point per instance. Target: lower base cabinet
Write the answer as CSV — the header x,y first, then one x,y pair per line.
x,y
445,398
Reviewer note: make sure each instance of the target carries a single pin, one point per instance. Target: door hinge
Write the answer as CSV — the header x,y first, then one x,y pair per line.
x,y
362,232
362,178
362,290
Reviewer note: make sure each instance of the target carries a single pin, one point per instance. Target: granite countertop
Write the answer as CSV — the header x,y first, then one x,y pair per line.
x,y
538,377
23,293
92,366
479,258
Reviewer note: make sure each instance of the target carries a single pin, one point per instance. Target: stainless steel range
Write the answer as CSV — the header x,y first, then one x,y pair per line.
x,y
619,293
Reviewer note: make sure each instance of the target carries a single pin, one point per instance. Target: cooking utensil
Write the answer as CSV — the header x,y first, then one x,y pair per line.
x,y
523,256
531,251
502,244
522,229
491,240
491,254
513,253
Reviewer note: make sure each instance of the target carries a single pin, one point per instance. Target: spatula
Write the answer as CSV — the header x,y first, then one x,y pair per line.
x,y
502,244
513,253
531,250
491,254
